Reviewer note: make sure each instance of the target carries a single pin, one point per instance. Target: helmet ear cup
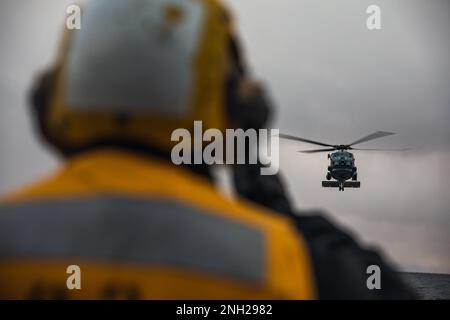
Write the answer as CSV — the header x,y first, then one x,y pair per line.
x,y
40,105
247,111
231,100
39,99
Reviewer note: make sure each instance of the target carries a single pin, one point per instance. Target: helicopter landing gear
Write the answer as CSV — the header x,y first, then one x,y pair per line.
x,y
328,176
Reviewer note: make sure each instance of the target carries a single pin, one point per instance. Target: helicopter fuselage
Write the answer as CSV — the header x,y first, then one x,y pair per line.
x,y
342,167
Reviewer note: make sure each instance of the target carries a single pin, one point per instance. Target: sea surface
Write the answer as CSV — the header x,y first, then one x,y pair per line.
x,y
429,286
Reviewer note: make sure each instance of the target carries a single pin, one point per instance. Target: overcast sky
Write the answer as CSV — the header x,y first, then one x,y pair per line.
x,y
332,80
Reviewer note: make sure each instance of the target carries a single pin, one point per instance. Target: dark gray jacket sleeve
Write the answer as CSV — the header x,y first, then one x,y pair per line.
x,y
340,262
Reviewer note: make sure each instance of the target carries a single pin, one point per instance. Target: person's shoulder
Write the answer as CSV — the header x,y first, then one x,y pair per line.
x,y
247,212
31,191
286,249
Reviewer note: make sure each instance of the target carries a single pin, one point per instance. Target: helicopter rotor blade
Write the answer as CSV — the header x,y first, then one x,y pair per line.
x,y
317,150
372,136
289,137
395,150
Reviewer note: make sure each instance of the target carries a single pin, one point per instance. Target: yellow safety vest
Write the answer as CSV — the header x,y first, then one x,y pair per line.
x,y
140,228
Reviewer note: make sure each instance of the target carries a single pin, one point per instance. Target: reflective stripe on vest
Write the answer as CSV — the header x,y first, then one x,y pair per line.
x,y
133,230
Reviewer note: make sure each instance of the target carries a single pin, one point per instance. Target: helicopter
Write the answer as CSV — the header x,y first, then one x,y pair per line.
x,y
342,162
